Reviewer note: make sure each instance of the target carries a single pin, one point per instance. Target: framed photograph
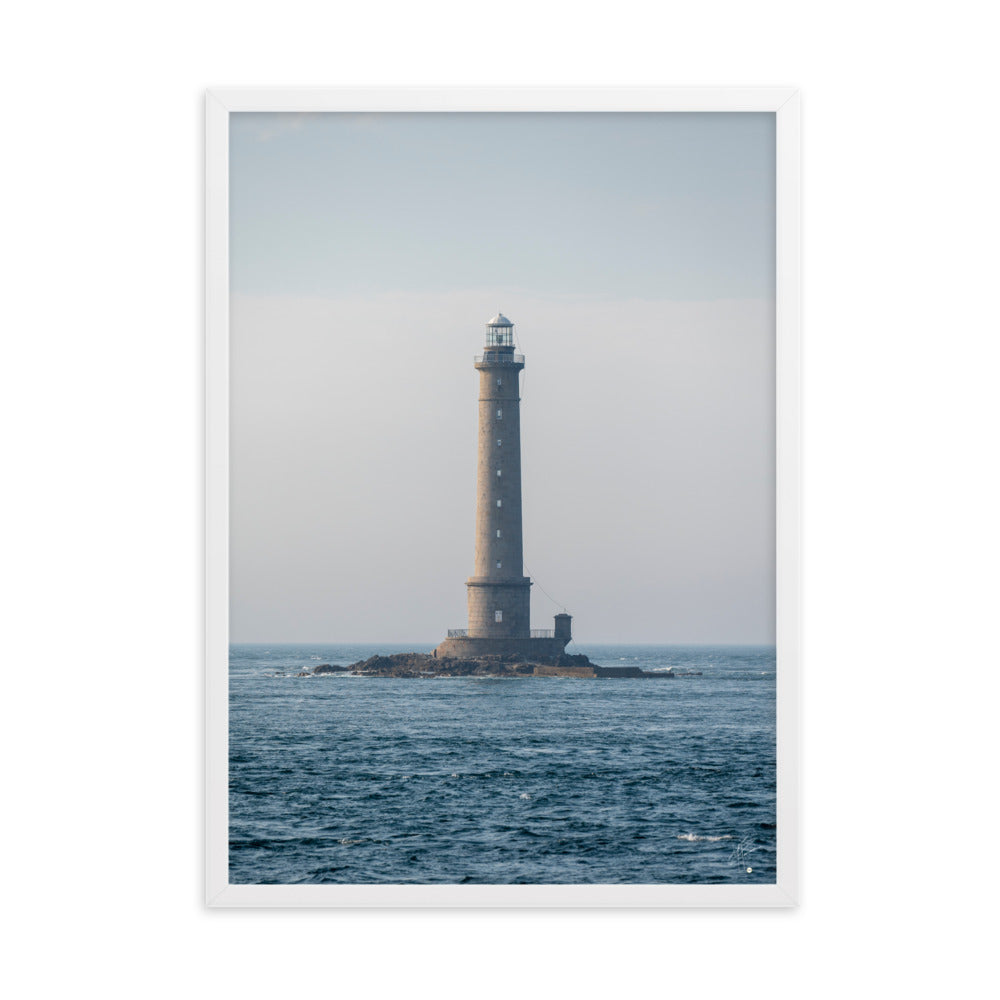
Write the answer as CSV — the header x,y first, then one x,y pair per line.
x,y
502,517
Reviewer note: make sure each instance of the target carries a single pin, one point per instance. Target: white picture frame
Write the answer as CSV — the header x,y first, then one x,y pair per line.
x,y
784,102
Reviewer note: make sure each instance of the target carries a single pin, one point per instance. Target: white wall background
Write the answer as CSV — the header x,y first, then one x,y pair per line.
x,y
102,188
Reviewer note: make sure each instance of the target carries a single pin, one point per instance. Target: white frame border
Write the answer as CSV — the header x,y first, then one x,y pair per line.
x,y
785,102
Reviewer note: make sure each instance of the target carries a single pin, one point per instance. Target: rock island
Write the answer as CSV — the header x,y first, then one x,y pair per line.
x,y
430,665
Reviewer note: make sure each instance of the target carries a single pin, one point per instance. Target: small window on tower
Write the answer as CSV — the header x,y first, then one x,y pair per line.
x,y
498,472
499,564
498,532
499,503
499,413
499,442
498,616
499,381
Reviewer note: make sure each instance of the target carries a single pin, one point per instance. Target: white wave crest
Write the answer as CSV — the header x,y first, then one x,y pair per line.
x,y
692,837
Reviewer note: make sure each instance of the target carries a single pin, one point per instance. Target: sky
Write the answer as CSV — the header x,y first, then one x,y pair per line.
x,y
635,255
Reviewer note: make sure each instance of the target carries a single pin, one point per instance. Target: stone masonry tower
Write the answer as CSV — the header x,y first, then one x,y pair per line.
x,y
499,594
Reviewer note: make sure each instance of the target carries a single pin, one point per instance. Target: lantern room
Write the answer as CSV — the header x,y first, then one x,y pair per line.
x,y
500,332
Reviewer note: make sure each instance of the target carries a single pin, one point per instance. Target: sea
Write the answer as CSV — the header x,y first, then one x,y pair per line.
x,y
367,780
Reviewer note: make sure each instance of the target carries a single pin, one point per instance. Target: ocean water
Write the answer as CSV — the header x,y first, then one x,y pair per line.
x,y
492,780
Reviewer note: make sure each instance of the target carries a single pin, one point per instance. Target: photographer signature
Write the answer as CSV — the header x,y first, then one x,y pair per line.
x,y
741,854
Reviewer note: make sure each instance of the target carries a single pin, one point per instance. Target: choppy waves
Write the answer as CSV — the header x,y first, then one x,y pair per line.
x,y
528,781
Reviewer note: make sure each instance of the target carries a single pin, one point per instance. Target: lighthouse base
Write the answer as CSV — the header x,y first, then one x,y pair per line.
x,y
532,650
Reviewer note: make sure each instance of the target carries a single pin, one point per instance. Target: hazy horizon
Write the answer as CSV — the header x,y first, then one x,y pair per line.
x,y
634,253
636,644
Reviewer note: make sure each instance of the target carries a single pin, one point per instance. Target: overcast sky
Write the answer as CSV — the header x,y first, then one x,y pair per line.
x,y
635,254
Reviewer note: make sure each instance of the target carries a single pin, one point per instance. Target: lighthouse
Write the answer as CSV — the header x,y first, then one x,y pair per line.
x,y
499,594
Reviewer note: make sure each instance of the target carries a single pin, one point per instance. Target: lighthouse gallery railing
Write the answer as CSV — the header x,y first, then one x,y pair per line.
x,y
536,633
498,357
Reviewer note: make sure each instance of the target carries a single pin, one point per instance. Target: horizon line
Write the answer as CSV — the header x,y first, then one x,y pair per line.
x,y
437,642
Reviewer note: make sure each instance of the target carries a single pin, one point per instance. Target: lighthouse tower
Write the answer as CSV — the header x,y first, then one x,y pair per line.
x,y
499,594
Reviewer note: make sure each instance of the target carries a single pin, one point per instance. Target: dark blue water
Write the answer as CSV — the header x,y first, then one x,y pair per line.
x,y
528,780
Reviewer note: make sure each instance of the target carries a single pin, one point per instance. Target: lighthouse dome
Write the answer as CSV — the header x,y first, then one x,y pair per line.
x,y
500,320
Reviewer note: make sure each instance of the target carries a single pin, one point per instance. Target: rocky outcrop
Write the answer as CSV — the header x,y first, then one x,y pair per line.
x,y
422,665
